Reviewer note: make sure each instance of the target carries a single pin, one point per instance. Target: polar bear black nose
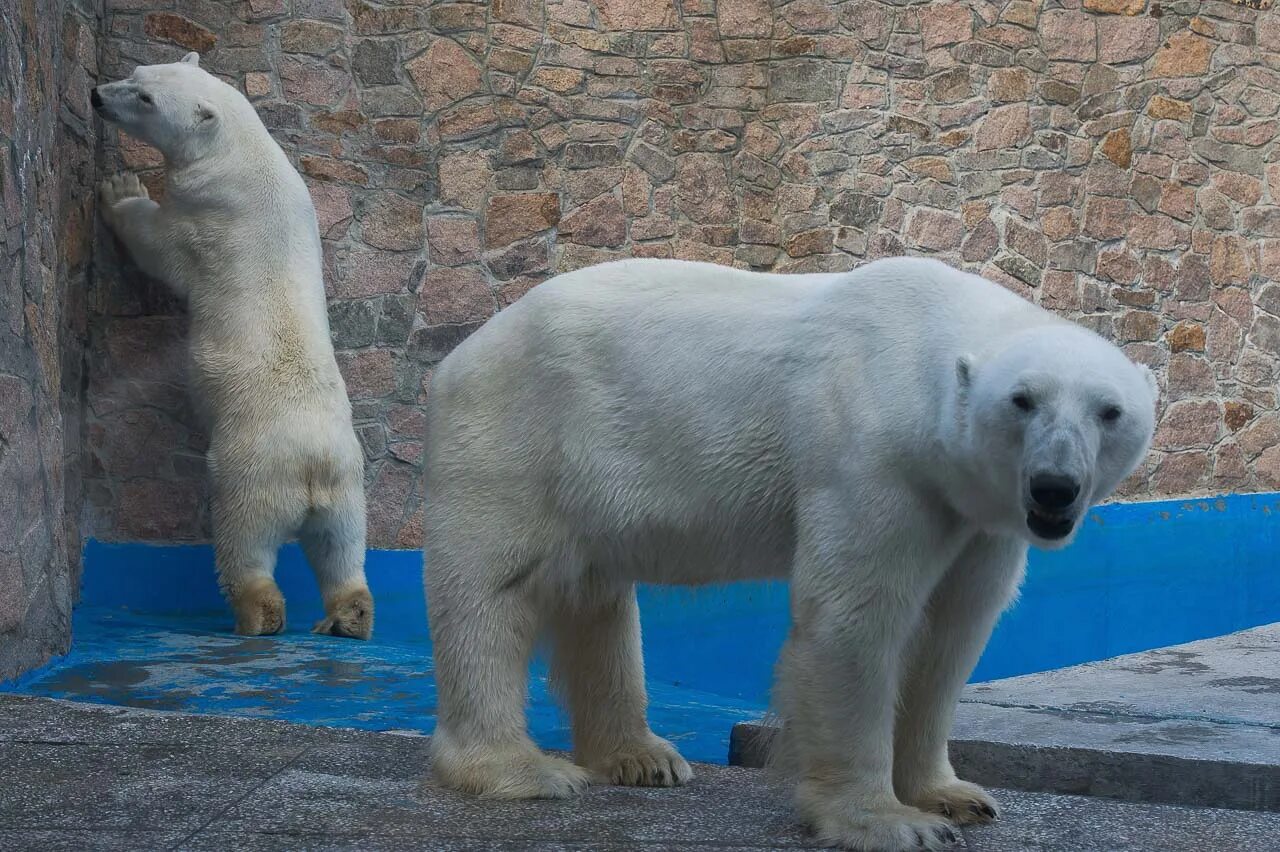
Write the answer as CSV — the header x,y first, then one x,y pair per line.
x,y
1053,491
94,98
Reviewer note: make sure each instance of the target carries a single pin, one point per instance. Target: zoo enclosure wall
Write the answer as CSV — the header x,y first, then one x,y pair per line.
x,y
1115,162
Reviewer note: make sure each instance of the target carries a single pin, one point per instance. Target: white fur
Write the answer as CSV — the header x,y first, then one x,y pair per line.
x,y
670,422
237,236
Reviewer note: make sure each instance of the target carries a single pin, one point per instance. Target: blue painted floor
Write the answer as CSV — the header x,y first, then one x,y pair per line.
x,y
153,632
194,664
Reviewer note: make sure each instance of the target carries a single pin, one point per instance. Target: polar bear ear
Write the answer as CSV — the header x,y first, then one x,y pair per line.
x,y
1152,383
192,58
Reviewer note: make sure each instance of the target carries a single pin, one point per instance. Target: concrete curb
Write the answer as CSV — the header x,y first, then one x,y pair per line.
x,y
1195,724
1079,770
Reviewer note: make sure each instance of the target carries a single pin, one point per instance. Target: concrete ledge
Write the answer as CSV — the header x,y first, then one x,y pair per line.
x,y
1182,725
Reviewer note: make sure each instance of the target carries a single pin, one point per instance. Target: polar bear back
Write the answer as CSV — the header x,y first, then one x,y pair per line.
x,y
651,401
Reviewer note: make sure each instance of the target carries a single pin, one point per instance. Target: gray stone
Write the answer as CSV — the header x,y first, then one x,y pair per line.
x,y
395,320
803,80
856,209
353,323
587,155
374,62
1024,270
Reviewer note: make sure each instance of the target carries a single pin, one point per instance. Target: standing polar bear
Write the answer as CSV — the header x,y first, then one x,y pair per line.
x,y
890,439
237,236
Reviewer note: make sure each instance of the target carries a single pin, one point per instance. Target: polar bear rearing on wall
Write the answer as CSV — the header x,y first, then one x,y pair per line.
x,y
237,236
891,439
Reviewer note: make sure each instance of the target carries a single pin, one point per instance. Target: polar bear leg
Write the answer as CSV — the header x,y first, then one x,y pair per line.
x,y
962,611
253,514
482,632
140,224
598,666
246,559
855,600
333,539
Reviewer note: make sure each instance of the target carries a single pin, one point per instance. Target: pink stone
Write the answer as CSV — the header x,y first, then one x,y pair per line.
x,y
368,374
629,15
453,240
455,295
599,222
333,208
1007,126
1189,424
945,23
445,74
392,222
1068,35
744,18
1123,40
934,230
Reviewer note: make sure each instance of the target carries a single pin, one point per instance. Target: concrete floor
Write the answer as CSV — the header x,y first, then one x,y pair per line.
x,y
87,777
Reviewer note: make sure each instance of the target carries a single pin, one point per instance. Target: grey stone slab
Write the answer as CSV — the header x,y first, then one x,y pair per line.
x,y
1232,679
379,789
1195,724
126,786
46,720
220,841
96,840
1041,821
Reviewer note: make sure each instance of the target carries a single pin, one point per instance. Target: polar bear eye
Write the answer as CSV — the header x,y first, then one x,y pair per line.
x,y
1110,414
144,97
1022,402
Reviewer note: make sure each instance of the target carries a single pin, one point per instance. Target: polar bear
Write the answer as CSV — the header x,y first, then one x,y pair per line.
x,y
890,439
237,236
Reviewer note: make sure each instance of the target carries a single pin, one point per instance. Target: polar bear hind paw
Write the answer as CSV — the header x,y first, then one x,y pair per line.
x,y
961,802
654,763
259,609
349,614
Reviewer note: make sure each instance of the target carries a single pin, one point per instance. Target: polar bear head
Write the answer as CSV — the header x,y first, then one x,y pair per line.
x,y
1055,419
177,107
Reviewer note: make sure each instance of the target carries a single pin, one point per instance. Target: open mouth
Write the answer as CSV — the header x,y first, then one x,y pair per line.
x,y
1050,527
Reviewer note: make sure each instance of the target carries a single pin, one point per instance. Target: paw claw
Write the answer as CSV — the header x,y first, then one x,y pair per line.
x,y
349,614
959,801
119,187
654,763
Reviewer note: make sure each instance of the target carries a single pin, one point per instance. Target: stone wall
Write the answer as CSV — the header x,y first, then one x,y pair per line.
x,y
48,54
1115,162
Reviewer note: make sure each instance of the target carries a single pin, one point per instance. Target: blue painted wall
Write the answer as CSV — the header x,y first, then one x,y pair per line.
x,y
1139,576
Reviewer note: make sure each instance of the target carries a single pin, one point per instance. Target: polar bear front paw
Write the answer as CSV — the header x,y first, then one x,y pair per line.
x,y
259,609
349,614
891,828
510,774
117,188
959,801
650,763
